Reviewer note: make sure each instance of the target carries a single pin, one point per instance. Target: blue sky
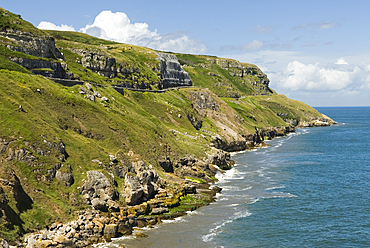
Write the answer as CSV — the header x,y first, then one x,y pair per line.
x,y
313,51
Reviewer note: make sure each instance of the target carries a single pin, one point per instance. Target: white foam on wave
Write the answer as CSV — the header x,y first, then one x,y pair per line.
x,y
232,174
194,212
235,188
239,152
254,200
280,195
176,220
232,205
112,244
275,187
218,229
279,144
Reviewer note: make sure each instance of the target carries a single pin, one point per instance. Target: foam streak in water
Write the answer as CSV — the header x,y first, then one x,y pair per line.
x,y
218,229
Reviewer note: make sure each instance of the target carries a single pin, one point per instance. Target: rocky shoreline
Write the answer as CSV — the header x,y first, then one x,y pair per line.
x,y
122,170
107,219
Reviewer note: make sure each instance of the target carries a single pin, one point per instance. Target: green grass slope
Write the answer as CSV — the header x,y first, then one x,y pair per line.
x,y
139,122
35,113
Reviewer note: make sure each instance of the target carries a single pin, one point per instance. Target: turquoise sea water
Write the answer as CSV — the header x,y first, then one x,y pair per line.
x,y
309,189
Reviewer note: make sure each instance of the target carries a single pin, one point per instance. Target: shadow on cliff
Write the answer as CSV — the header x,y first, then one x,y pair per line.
x,y
23,200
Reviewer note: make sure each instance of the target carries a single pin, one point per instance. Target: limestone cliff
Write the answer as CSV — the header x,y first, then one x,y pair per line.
x,y
33,45
45,59
172,74
258,81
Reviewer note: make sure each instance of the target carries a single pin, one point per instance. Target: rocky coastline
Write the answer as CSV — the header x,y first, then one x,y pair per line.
x,y
128,160
106,219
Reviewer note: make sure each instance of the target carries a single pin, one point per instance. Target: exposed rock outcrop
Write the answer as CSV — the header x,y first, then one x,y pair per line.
x,y
197,124
133,190
166,164
259,81
140,186
317,122
272,132
37,46
66,177
40,67
203,100
98,190
33,45
172,74
221,159
99,63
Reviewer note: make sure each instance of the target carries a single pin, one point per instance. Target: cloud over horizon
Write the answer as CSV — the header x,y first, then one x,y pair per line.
x,y
118,27
318,25
52,26
338,76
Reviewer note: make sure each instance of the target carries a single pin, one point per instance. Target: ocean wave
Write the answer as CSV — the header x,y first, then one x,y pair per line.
x,y
194,212
232,174
216,230
232,205
275,187
279,195
176,220
253,200
236,188
112,244
239,152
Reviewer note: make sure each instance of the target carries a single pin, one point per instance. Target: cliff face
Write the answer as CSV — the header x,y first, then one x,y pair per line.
x,y
258,79
44,57
33,45
172,74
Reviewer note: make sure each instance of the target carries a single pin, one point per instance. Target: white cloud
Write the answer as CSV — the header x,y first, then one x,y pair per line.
x,y
250,46
254,45
118,27
263,29
52,26
298,76
341,61
332,82
326,25
320,25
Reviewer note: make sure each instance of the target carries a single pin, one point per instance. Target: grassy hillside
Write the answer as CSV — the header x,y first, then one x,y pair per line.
x,y
44,125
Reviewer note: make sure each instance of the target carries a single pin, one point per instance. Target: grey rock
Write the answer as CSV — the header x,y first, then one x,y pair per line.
x,y
89,87
197,124
220,158
104,99
172,74
157,211
111,230
97,94
124,228
29,44
57,70
166,164
65,177
203,100
3,145
113,206
100,205
21,155
90,97
3,244
84,91
133,190
97,183
190,189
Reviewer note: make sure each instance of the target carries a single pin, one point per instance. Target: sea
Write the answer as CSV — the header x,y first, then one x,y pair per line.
x,y
308,189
